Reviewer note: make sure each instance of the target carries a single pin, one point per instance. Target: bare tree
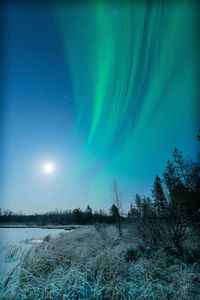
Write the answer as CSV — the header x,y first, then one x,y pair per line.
x,y
117,200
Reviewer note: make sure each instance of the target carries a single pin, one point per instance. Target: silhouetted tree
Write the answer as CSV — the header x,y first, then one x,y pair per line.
x,y
175,187
138,203
114,212
147,207
77,214
101,215
88,213
117,199
182,179
160,201
133,211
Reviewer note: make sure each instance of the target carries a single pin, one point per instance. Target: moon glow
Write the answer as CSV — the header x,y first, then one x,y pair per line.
x,y
48,168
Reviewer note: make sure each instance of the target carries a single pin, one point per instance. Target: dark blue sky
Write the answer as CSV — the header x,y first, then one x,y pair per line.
x,y
38,114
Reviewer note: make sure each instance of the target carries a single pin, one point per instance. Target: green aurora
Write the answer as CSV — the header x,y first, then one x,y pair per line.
x,y
103,90
133,68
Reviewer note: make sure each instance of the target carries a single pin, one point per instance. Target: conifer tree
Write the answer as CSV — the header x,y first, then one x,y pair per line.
x,y
88,213
159,197
133,211
117,199
147,210
138,203
178,181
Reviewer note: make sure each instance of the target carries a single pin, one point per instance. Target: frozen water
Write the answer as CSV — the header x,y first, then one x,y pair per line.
x,y
13,241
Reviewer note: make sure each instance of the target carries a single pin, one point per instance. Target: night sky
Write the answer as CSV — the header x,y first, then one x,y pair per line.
x,y
102,90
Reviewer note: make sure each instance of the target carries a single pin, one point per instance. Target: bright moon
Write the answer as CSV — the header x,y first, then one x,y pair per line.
x,y
48,168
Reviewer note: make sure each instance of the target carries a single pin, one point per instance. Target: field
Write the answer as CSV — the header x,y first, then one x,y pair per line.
x,y
92,262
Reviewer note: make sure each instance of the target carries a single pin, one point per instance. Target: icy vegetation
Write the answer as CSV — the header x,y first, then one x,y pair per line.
x,y
94,263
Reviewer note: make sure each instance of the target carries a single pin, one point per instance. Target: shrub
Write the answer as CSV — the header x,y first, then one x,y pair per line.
x,y
83,264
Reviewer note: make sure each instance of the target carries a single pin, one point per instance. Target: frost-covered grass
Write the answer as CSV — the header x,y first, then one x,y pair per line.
x,y
91,263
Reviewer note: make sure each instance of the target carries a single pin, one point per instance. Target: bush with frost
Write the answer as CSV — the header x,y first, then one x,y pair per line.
x,y
86,264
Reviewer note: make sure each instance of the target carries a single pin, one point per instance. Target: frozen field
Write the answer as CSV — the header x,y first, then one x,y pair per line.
x,y
95,264
14,241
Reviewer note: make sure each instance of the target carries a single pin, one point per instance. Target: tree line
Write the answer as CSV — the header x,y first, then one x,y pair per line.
x,y
175,195
58,217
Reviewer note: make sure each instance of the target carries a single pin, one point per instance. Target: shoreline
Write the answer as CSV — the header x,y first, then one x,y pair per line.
x,y
65,227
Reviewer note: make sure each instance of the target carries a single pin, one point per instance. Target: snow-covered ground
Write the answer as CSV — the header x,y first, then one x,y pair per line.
x,y
14,241
91,263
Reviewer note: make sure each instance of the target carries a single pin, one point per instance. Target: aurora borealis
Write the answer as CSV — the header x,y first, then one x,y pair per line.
x,y
120,91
